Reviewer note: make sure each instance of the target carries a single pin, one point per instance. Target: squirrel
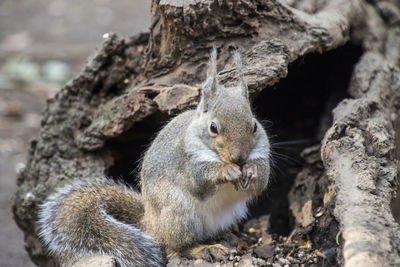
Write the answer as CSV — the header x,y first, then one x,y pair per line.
x,y
197,178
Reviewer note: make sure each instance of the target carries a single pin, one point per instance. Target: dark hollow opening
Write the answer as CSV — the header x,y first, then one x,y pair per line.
x,y
299,109
395,204
128,149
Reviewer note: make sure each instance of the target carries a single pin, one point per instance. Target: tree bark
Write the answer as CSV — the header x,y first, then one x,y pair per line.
x,y
343,205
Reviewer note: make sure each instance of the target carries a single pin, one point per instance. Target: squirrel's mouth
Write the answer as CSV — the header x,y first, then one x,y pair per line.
x,y
227,158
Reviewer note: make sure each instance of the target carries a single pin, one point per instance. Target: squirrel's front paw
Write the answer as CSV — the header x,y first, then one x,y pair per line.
x,y
232,173
250,173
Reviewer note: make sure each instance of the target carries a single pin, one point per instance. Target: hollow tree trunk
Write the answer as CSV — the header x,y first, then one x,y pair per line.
x,y
342,204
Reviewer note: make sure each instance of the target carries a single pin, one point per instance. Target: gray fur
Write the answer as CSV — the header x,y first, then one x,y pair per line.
x,y
61,245
189,181
239,68
211,83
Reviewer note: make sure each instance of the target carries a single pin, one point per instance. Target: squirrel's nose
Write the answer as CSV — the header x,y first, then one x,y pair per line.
x,y
238,158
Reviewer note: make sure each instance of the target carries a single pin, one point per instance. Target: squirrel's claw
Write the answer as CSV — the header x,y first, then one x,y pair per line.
x,y
210,253
249,172
244,183
232,173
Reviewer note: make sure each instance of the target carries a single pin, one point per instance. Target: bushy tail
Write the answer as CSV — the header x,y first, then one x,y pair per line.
x,y
97,217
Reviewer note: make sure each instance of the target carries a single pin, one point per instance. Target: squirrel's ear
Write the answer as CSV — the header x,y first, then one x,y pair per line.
x,y
210,85
239,69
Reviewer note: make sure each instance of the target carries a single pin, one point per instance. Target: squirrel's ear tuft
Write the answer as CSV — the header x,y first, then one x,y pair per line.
x,y
210,85
239,69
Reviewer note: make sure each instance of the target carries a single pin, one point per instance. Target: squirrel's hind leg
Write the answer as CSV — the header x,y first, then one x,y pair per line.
x,y
172,219
176,228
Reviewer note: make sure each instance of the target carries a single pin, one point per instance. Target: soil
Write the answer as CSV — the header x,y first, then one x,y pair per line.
x,y
253,245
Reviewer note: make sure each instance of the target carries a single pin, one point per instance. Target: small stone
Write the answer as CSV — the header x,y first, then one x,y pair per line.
x,y
300,254
259,262
246,261
290,259
264,251
283,261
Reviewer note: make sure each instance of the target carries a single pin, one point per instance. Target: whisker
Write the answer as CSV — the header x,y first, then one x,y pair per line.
x,y
286,157
292,143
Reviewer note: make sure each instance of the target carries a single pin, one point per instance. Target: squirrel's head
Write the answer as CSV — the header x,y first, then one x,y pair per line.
x,y
225,121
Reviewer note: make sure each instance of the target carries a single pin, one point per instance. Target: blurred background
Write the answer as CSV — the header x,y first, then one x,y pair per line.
x,y
43,44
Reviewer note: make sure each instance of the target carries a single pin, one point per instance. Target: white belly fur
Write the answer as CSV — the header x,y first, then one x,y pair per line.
x,y
226,207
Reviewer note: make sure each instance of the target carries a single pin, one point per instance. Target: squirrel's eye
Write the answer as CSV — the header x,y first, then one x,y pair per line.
x,y
255,127
213,128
